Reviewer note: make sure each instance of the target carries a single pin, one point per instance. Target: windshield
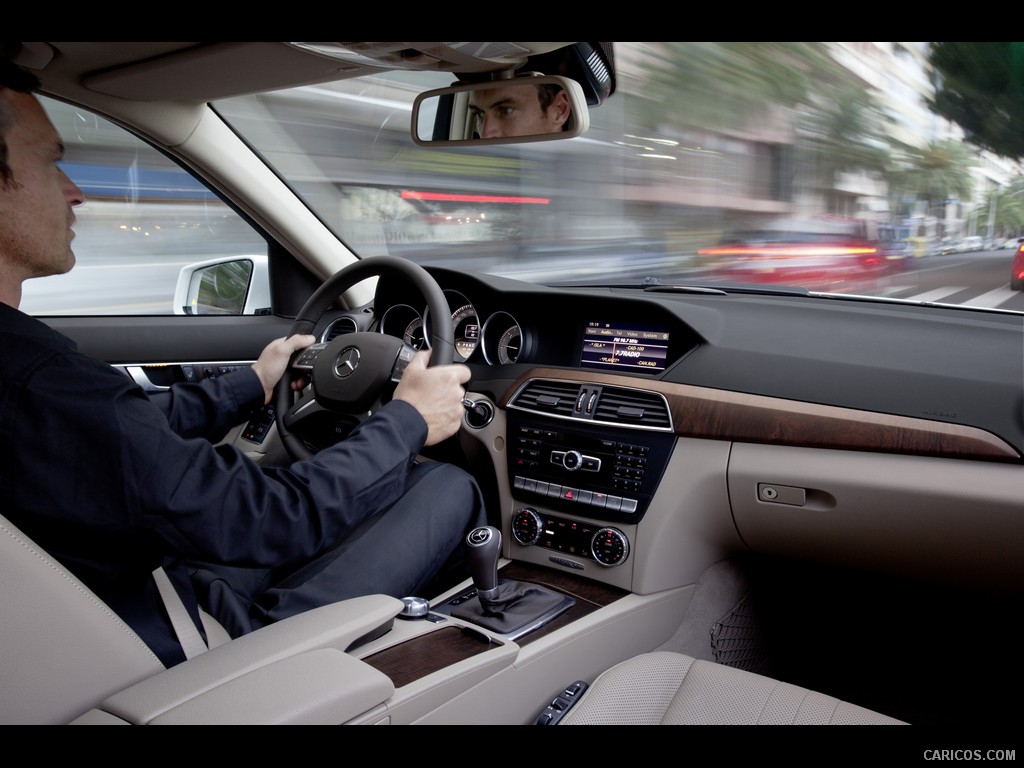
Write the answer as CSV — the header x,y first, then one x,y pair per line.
x,y
819,165
829,167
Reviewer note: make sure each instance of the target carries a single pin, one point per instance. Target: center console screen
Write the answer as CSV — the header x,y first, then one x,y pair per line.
x,y
624,348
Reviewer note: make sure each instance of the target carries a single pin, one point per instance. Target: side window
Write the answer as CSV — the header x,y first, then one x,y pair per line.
x,y
150,239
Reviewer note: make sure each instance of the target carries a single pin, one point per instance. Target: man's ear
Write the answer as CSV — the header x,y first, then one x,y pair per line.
x,y
561,106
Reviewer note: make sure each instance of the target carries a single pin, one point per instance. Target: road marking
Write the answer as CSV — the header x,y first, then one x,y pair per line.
x,y
992,299
989,300
938,294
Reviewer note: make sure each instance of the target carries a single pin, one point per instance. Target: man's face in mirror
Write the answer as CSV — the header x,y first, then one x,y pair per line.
x,y
519,110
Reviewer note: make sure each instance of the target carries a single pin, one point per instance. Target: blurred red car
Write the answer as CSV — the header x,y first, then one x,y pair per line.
x,y
1017,267
821,252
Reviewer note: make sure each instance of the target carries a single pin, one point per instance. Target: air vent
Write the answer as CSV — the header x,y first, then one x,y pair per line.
x,y
617,406
629,406
339,327
556,398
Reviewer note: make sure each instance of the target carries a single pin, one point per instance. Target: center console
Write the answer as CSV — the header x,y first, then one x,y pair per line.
x,y
584,462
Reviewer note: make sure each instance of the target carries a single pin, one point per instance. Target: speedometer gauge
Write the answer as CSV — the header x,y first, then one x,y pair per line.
x,y
503,340
509,345
467,331
465,323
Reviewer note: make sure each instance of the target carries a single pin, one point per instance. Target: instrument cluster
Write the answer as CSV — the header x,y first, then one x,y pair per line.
x,y
497,339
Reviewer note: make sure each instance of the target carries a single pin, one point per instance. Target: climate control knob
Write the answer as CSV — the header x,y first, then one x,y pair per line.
x,y
610,547
526,526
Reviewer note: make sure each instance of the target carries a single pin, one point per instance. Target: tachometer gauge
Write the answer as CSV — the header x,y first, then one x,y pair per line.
x,y
414,335
403,322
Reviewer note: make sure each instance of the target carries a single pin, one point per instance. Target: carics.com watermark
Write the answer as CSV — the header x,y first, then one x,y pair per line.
x,y
970,754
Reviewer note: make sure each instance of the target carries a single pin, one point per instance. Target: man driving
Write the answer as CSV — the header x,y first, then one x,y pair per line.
x,y
116,483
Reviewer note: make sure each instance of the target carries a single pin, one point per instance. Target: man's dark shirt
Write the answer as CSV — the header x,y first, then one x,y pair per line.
x,y
113,482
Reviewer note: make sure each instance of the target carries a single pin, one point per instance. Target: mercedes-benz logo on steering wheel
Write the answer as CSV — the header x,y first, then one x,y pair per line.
x,y
347,362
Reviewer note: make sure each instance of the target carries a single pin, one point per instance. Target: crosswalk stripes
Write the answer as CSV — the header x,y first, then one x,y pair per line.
x,y
938,294
993,299
990,299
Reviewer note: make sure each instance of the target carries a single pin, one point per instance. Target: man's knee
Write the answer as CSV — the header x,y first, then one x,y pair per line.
x,y
450,490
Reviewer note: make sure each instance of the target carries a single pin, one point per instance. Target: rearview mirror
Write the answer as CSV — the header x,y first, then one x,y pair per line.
x,y
524,109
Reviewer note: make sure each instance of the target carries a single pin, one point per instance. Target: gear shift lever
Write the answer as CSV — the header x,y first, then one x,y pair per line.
x,y
483,548
508,607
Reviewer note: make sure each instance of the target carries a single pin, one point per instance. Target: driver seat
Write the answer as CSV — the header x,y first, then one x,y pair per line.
x,y
46,610
44,605
66,657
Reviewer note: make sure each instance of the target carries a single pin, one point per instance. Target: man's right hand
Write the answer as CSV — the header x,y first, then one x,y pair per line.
x,y
436,393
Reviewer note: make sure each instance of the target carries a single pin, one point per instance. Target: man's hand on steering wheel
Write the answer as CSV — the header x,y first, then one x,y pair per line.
x,y
352,374
436,393
274,361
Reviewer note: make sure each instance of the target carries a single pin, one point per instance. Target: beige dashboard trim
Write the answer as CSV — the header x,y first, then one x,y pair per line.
x,y
737,416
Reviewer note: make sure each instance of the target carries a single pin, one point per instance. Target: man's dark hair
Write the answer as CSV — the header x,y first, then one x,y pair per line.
x,y
546,93
14,78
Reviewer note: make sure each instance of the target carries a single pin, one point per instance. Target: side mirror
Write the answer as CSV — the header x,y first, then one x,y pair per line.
x,y
528,108
238,285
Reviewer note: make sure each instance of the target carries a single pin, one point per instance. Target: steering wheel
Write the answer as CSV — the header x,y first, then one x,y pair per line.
x,y
349,375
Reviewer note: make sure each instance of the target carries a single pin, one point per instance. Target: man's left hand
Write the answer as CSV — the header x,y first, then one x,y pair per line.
x,y
274,360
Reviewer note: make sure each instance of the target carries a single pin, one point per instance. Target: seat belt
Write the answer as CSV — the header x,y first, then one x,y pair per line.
x,y
192,642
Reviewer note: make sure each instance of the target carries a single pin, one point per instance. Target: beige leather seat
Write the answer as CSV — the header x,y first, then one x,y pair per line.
x,y
66,657
664,688
51,623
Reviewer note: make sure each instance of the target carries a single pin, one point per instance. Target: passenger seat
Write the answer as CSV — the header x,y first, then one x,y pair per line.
x,y
666,688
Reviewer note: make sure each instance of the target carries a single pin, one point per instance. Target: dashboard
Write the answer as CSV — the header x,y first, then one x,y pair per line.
x,y
819,361
632,424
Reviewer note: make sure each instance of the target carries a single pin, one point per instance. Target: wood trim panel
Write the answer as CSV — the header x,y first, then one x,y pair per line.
x,y
409,661
717,414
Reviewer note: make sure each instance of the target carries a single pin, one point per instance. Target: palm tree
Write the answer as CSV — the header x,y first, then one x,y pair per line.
x,y
935,173
1004,209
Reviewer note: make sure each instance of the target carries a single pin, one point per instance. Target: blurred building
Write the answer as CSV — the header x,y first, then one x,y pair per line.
x,y
899,73
772,162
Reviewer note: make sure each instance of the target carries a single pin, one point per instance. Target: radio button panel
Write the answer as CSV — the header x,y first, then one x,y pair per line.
x,y
590,470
